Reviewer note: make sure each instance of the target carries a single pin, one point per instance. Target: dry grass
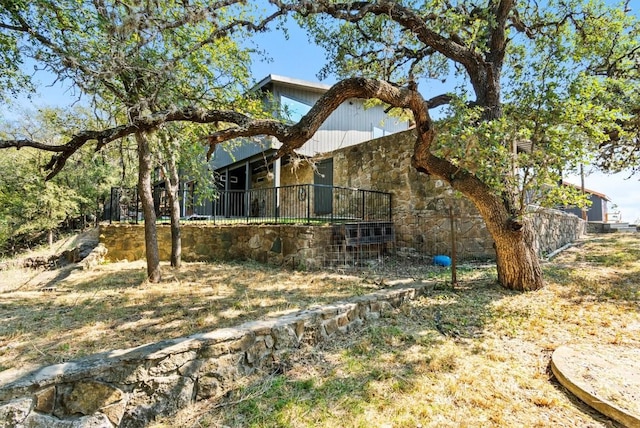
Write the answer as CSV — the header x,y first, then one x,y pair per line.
x,y
474,356
113,307
477,356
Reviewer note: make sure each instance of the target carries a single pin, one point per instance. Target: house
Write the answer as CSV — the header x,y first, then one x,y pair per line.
x,y
352,183
377,204
248,164
597,212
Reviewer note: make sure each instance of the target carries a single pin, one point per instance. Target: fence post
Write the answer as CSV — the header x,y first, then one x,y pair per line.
x,y
454,255
363,205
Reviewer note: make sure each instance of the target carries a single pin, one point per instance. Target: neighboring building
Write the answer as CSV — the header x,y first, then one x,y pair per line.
x,y
597,212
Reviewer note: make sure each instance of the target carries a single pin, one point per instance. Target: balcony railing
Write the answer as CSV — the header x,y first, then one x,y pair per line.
x,y
302,203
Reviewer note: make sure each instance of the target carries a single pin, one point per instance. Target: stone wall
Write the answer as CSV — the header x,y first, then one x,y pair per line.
x,y
129,388
555,229
421,203
294,245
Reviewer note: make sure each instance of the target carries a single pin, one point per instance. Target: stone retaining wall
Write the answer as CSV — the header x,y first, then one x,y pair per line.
x,y
129,388
555,229
309,247
292,245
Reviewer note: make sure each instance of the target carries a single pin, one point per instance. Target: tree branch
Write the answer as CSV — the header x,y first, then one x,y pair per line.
x,y
295,136
405,17
104,137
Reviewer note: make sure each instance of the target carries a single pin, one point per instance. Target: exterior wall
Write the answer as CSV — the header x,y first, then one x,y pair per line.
x,y
420,203
131,387
596,212
295,245
296,173
556,229
351,123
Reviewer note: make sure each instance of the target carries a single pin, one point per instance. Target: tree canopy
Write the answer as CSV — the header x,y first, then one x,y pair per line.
x,y
153,63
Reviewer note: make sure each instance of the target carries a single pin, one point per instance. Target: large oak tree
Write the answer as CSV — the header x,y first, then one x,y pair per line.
x,y
526,107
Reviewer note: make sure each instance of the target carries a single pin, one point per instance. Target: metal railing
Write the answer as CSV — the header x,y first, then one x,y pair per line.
x,y
301,203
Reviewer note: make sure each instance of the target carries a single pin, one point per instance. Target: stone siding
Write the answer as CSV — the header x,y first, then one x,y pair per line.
x,y
421,203
294,245
131,387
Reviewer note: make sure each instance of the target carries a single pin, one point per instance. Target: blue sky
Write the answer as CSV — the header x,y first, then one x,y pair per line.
x,y
298,58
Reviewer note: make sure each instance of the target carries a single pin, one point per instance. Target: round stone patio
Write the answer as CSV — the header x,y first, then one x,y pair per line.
x,y
606,377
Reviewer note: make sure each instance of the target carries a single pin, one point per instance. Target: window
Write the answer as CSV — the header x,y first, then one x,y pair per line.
x,y
379,132
293,110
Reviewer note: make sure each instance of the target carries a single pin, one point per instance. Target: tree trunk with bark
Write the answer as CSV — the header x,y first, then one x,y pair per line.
x,y
145,191
517,262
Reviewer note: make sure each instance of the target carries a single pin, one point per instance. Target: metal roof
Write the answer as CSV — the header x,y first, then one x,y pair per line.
x,y
289,81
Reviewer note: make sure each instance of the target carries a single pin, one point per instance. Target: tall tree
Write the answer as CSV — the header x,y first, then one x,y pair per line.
x,y
616,68
144,57
516,118
30,206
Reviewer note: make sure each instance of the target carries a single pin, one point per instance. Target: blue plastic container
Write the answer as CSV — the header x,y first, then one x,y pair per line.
x,y
440,260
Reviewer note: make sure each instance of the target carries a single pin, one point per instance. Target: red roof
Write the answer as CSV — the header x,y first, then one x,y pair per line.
x,y
593,192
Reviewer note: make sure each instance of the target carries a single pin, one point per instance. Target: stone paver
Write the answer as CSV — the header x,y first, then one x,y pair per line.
x,y
606,377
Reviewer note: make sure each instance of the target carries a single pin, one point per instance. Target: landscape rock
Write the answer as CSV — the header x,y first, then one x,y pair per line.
x,y
14,412
88,397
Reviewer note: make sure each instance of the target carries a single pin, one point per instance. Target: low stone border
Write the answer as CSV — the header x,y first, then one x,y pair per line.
x,y
129,388
587,372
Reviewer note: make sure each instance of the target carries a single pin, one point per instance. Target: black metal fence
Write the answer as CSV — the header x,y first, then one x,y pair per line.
x,y
302,203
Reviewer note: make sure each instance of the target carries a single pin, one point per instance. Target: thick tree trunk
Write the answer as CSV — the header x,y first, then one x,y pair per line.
x,y
517,259
146,197
514,239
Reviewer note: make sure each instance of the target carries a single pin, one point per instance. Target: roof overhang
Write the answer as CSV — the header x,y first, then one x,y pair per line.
x,y
291,82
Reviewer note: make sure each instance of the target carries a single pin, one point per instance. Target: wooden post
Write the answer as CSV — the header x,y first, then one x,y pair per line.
x,y
454,255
